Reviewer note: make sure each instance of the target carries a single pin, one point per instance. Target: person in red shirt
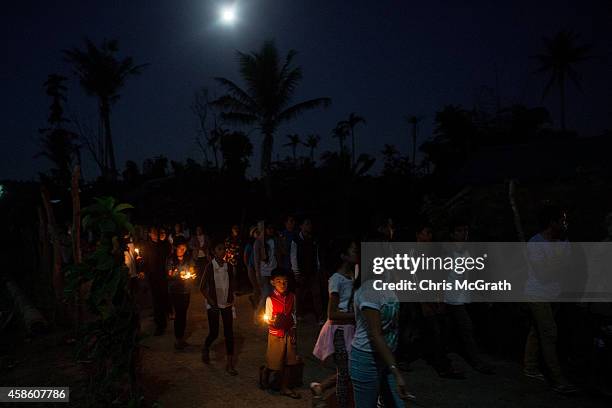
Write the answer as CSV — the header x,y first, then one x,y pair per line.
x,y
282,341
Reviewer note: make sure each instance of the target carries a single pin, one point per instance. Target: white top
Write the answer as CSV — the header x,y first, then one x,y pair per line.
x,y
343,286
549,258
201,253
130,260
221,282
387,304
268,267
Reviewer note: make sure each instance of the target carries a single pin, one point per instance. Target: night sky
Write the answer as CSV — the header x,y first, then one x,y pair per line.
x,y
381,59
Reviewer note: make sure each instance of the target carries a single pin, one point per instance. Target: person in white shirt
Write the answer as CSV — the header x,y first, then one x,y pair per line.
x,y
547,253
200,249
267,258
217,286
130,259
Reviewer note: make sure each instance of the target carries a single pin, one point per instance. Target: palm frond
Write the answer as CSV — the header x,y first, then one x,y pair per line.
x,y
236,91
237,117
301,107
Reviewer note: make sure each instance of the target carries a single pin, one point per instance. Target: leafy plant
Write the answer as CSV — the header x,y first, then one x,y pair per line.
x,y
110,340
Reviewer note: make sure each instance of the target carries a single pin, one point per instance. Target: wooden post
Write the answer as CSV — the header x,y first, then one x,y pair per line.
x,y
43,244
57,276
76,239
76,215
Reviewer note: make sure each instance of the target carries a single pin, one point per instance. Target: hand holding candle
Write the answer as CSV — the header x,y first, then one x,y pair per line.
x,y
188,274
268,319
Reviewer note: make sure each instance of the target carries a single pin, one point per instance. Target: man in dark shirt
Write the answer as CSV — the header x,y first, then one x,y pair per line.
x,y
154,255
306,268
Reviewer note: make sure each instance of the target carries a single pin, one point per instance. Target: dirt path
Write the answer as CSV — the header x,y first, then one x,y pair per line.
x,y
178,379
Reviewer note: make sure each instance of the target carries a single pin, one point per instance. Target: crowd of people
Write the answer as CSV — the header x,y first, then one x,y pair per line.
x,y
288,275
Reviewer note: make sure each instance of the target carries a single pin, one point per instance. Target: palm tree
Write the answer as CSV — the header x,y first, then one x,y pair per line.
x,y
265,101
294,142
414,121
102,75
352,121
340,132
312,142
562,53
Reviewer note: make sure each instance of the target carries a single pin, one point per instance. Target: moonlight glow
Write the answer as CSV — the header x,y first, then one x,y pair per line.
x,y
228,14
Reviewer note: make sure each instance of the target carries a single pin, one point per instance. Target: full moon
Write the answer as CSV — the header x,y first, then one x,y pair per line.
x,y
228,14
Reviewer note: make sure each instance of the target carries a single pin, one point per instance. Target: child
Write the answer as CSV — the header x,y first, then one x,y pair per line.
x,y
217,286
282,341
337,334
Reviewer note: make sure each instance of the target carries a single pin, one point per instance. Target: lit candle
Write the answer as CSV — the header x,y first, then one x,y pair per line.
x,y
187,274
137,251
265,318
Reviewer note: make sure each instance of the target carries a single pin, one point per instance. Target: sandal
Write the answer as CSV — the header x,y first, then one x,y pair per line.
x,y
263,382
290,394
316,390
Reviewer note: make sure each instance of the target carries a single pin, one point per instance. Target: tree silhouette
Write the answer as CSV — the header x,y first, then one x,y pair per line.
x,y
294,142
131,173
352,121
236,149
58,143
312,142
454,133
208,124
102,74
562,53
214,140
340,132
265,101
394,163
159,166
414,121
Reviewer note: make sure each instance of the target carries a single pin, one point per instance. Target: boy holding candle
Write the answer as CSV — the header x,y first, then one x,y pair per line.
x,y
217,286
282,342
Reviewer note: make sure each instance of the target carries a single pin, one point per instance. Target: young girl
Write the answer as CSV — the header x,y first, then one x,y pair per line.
x,y
217,286
181,272
372,365
337,333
